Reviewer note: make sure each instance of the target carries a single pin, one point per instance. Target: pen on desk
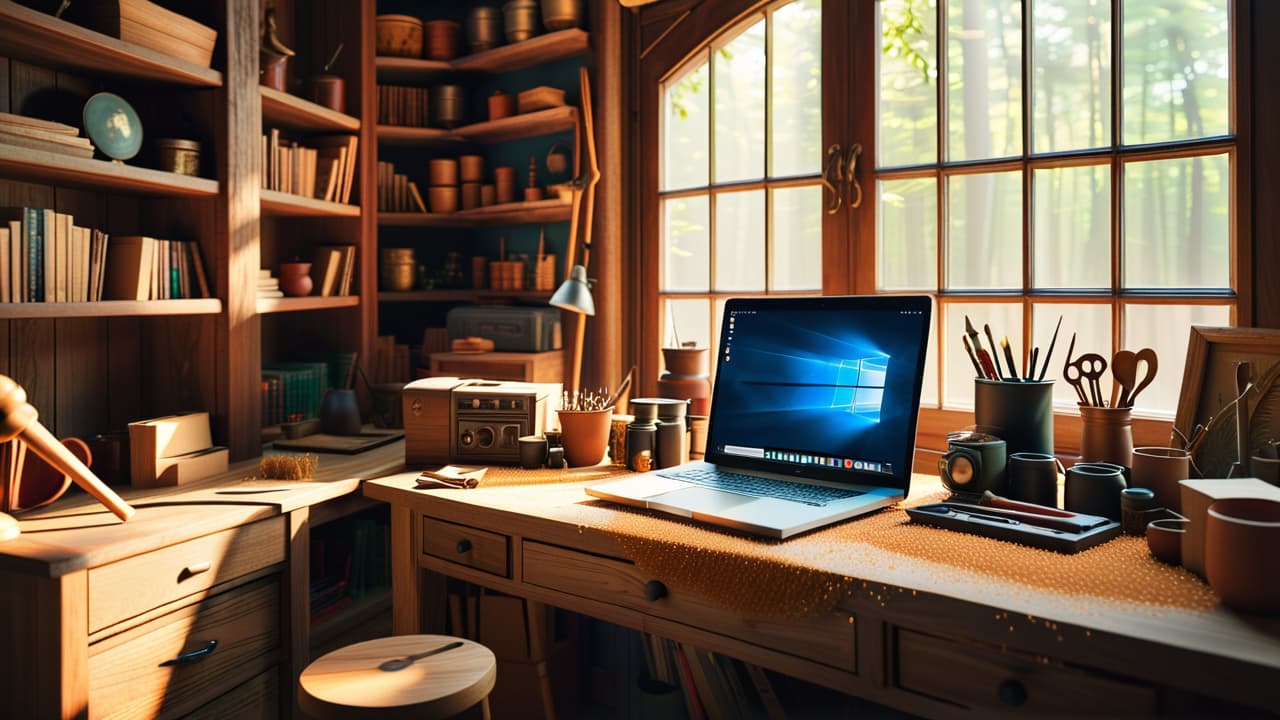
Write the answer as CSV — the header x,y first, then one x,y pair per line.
x,y
1049,354
972,358
995,353
1008,357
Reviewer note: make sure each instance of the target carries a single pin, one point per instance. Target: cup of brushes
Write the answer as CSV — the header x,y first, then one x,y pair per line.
x,y
1016,406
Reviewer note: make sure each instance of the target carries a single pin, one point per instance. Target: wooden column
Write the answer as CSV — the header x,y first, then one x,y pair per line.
x,y
1264,161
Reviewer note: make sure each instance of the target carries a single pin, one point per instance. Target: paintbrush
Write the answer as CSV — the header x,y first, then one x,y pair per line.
x,y
972,358
1049,354
1008,357
995,353
988,367
622,387
1035,355
973,334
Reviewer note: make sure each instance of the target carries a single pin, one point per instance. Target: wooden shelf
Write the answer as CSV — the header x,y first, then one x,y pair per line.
x,y
110,308
538,50
57,169
516,127
521,213
275,202
281,108
417,136
47,41
358,612
311,302
541,296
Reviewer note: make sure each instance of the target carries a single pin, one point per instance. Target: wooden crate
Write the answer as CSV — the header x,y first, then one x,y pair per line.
x,y
526,367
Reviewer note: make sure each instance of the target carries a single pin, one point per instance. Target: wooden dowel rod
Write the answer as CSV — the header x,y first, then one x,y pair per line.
x,y
44,444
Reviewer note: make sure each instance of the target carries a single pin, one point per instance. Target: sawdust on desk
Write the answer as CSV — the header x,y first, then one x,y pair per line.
x,y
814,572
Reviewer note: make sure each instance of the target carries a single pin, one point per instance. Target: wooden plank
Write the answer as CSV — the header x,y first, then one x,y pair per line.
x,y
537,296
535,51
516,213
392,70
417,136
282,109
518,127
297,595
46,620
311,302
1265,161
279,203
51,167
41,38
111,308
611,349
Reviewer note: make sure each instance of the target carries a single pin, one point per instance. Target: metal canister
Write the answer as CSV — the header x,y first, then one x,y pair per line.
x,y
521,19
673,445
179,156
448,107
484,28
642,438
561,14
397,269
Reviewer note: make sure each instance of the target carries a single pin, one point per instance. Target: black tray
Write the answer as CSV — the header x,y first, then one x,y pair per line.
x,y
990,522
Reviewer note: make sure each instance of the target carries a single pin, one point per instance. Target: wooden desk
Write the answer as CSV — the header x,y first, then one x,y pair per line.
x,y
90,607
932,638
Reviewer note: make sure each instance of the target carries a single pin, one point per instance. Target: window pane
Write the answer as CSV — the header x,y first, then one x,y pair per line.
x,y
686,244
797,89
687,321
739,255
686,114
1175,70
984,231
1004,319
796,254
908,251
1149,326
1177,224
984,79
1091,326
1071,74
1071,235
908,93
738,70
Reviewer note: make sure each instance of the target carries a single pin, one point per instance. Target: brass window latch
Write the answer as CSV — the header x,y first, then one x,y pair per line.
x,y
839,177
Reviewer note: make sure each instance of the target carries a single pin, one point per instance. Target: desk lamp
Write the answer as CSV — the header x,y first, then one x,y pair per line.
x,y
574,294
19,419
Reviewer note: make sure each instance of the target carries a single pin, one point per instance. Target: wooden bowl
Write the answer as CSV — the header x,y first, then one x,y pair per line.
x,y
399,36
442,199
443,171
1164,539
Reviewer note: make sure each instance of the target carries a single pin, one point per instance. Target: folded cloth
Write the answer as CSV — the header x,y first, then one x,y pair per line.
x,y
451,476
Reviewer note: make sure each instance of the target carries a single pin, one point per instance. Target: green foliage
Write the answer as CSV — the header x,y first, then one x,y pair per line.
x,y
900,31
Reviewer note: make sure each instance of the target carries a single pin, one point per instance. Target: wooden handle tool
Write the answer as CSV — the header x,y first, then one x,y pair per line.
x,y
19,419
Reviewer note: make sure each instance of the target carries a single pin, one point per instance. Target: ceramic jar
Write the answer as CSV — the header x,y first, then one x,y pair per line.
x,y
686,378
295,279
1107,435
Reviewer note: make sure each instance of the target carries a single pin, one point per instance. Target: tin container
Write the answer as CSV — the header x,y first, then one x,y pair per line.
x,y
442,40
397,269
521,19
484,28
561,14
448,105
179,156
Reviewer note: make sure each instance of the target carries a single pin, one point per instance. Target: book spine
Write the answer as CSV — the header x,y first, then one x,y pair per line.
x,y
35,255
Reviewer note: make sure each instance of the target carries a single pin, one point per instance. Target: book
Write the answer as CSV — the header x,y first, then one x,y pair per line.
x,y
197,263
188,468
151,441
4,263
15,262
325,267
130,259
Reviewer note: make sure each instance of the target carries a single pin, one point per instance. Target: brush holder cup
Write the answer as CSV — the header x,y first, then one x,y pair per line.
x,y
1021,413
1107,435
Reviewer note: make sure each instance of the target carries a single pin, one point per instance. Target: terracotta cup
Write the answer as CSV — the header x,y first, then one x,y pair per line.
x,y
1107,435
1164,539
295,279
1240,558
585,435
1159,469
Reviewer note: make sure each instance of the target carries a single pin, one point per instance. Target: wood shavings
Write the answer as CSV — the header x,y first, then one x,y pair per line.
x,y
288,467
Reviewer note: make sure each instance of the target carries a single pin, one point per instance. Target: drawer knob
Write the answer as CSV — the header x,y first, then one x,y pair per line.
x,y
464,546
194,569
654,590
1012,693
193,656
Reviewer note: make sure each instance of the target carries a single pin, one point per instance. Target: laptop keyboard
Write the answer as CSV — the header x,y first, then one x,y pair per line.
x,y
763,487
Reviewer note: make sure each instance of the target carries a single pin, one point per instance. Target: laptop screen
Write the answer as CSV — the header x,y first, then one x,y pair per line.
x,y
825,388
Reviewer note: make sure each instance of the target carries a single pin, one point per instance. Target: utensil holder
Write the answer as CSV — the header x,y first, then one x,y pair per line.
x,y
585,435
1020,413
1107,435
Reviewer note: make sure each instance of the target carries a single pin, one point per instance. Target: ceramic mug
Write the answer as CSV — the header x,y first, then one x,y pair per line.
x,y
1033,478
1240,558
1159,469
1094,489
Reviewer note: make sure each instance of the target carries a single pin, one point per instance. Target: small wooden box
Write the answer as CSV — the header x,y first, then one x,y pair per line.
x,y
428,424
1198,495
527,367
144,23
539,98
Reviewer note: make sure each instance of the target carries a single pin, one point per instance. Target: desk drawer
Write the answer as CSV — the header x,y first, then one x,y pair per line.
x,y
127,679
480,549
988,681
134,585
829,637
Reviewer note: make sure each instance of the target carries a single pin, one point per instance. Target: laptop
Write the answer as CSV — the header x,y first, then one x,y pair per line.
x,y
813,417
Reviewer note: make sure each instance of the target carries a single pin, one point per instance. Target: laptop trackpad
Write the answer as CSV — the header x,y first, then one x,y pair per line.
x,y
697,499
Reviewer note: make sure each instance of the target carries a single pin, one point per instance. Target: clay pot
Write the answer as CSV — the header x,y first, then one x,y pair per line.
x,y
398,35
1164,539
329,91
442,39
295,279
1240,558
443,171
273,72
397,269
686,378
1159,470
447,105
443,199
470,195
561,14
501,105
1107,435
585,435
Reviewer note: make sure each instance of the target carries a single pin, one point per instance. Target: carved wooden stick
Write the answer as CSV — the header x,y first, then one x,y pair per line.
x,y
19,419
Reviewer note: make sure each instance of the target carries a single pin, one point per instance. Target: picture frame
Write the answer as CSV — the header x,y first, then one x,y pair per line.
x,y
1206,417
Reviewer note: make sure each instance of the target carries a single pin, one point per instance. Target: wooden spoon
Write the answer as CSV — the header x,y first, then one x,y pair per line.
x,y
1148,356
1124,368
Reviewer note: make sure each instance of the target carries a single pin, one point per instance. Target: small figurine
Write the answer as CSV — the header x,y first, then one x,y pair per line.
x,y
533,192
272,53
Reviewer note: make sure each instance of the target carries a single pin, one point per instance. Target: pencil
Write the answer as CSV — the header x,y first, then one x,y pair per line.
x,y
1049,353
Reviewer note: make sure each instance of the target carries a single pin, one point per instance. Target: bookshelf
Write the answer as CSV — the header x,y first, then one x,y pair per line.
x,y
275,202
50,168
518,213
268,306
281,108
110,309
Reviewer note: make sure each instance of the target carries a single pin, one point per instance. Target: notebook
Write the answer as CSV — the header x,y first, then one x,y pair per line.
x,y
813,416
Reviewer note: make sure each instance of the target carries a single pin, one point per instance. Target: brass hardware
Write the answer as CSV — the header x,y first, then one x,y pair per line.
x,y
835,161
851,165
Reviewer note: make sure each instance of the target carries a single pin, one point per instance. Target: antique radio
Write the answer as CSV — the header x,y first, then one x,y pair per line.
x,y
472,421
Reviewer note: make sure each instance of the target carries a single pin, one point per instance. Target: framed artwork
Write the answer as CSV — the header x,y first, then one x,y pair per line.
x,y
1209,418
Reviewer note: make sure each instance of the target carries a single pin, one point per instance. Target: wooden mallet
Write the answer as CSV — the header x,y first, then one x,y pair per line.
x,y
19,419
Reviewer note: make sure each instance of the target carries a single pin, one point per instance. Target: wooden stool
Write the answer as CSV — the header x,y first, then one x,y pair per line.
x,y
348,683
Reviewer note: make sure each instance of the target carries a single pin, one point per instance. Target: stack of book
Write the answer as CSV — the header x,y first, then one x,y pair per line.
x,y
400,105
324,169
147,268
333,269
396,192
268,285
292,391
348,563
36,134
173,450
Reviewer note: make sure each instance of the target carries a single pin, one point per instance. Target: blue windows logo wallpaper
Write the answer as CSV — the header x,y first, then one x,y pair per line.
x,y
859,386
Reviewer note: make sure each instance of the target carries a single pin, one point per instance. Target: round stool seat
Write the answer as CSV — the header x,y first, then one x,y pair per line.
x,y
348,683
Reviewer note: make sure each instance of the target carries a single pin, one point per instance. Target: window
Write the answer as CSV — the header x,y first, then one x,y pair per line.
x,y
1083,169
740,188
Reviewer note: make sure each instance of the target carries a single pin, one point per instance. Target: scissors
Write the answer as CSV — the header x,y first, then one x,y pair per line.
x,y
1089,366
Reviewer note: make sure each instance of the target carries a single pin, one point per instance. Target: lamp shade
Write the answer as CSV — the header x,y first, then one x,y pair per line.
x,y
574,294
